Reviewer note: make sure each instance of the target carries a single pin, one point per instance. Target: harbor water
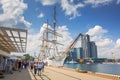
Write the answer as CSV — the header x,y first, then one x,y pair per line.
x,y
113,69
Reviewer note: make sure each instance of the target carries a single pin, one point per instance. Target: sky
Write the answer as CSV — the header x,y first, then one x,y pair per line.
x,y
98,18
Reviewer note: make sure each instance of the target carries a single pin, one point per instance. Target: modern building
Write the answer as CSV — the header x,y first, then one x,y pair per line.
x,y
73,55
76,53
93,49
87,49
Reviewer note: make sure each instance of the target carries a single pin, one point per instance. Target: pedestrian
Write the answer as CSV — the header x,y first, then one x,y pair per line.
x,y
19,65
40,66
25,64
16,64
35,68
8,66
43,64
11,69
31,65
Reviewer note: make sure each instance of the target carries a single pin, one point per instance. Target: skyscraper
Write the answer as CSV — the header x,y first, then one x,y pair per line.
x,y
87,49
86,46
93,49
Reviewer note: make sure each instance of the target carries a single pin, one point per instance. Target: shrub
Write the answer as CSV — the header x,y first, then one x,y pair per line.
x,y
83,71
77,69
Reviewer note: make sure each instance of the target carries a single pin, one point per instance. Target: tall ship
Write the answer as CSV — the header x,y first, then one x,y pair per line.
x,y
49,48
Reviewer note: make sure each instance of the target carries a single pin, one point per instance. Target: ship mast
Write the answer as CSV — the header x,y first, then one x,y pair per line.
x,y
49,44
54,22
54,34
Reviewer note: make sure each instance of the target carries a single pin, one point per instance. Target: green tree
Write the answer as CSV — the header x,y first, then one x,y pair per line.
x,y
27,56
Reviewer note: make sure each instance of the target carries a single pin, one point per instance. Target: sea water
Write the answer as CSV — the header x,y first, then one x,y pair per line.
x,y
113,69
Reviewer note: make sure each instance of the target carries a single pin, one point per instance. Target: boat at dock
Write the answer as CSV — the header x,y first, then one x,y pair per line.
x,y
49,49
71,62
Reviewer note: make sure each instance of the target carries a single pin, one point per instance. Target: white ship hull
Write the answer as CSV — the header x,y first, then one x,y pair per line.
x,y
57,61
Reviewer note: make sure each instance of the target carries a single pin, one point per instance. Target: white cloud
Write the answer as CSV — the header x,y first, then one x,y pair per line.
x,y
41,15
118,1
66,39
97,30
12,13
33,43
26,23
104,42
67,5
48,2
118,43
105,45
96,3
70,8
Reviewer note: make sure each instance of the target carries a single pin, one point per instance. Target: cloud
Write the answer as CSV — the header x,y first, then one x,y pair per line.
x,y
66,39
67,5
26,23
48,2
96,3
41,15
33,43
118,43
70,8
97,35
12,13
118,1
97,30
105,45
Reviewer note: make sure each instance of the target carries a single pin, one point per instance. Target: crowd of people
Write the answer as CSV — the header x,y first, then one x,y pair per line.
x,y
12,65
38,67
15,65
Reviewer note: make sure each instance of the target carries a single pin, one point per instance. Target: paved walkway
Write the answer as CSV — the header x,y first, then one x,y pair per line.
x,y
23,75
53,73
63,74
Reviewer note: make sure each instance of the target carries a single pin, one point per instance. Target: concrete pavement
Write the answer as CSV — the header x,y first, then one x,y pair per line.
x,y
23,75
55,73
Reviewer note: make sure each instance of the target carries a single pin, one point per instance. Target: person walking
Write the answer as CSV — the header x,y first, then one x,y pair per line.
x,y
35,68
31,65
16,64
19,65
43,64
40,66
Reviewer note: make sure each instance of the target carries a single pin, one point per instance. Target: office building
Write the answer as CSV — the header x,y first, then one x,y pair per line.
x,y
87,50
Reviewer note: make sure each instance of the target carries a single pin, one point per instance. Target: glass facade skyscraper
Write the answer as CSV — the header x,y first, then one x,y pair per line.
x,y
87,50
93,49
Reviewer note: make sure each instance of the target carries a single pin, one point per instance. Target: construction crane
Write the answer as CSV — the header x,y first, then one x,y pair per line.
x,y
113,57
72,44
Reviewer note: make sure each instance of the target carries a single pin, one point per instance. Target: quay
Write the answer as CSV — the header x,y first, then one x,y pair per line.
x,y
56,73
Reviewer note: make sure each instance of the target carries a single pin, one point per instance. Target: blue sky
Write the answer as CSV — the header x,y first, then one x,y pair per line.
x,y
99,18
107,16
